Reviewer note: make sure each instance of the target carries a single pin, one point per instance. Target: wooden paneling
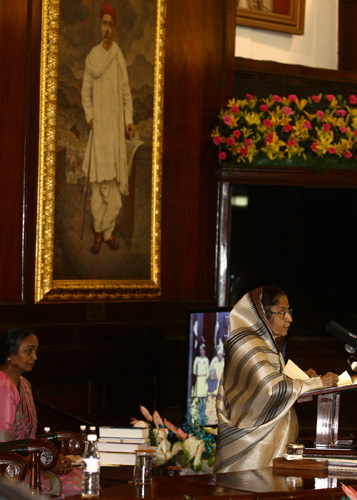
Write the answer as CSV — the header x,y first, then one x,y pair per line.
x,y
347,35
195,40
13,57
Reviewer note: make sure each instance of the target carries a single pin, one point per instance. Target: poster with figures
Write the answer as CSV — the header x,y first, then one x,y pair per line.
x,y
208,332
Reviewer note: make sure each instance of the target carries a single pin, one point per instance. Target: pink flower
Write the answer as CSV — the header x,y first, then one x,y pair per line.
x,y
348,154
315,98
330,97
222,155
307,124
248,142
343,130
314,146
291,143
179,432
341,112
145,413
320,114
349,491
267,123
287,127
230,141
276,98
287,110
217,140
237,134
227,119
292,98
269,138
355,132
157,419
244,151
249,96
235,109
353,99
263,107
332,151
326,127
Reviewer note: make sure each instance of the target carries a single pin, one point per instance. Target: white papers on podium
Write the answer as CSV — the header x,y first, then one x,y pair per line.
x,y
294,372
344,379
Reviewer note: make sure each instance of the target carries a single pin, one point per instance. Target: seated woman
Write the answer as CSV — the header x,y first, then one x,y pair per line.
x,y
255,400
18,419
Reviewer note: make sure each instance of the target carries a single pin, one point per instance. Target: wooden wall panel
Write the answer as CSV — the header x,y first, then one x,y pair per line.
x,y
195,42
13,57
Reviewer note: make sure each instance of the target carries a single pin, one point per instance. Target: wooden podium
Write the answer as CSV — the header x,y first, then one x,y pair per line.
x,y
327,422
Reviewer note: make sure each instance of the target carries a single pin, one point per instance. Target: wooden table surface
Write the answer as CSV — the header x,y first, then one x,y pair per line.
x,y
261,484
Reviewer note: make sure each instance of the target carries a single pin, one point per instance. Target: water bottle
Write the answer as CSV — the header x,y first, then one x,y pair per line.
x,y
83,432
91,468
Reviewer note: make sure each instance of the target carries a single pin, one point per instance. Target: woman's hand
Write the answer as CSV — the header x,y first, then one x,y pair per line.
x,y
311,372
62,466
329,379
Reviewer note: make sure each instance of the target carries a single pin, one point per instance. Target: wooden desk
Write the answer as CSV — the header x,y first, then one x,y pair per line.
x,y
262,484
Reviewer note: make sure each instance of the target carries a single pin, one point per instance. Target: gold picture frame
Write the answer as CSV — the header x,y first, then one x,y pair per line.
x,y
288,19
134,271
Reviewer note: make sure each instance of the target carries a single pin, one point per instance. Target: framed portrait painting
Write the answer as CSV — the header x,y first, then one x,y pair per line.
x,y
285,16
100,149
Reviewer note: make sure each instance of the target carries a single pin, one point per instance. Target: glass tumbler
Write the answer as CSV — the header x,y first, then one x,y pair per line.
x,y
143,467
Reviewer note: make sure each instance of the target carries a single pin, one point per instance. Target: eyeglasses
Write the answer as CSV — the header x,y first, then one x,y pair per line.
x,y
283,313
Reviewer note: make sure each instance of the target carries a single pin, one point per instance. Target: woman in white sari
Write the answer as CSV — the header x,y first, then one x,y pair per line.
x,y
256,417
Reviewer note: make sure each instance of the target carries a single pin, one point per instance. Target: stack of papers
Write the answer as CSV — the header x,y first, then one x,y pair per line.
x,y
295,373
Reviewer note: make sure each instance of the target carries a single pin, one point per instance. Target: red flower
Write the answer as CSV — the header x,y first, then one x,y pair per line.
x,y
287,127
341,112
267,123
330,97
217,140
353,99
244,151
235,109
237,134
248,142
222,155
287,110
343,130
276,98
292,98
315,98
227,119
307,124
314,146
326,127
348,154
291,143
249,96
230,141
332,151
269,138
263,107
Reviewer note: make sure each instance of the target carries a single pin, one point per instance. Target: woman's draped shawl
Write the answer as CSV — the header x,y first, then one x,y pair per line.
x,y
256,418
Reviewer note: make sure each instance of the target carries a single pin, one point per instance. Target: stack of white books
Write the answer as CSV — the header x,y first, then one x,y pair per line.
x,y
117,445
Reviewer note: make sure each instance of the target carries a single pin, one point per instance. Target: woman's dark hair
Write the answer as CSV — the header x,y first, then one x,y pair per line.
x,y
10,341
271,296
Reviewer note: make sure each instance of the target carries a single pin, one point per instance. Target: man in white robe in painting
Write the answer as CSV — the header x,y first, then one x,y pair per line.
x,y
108,108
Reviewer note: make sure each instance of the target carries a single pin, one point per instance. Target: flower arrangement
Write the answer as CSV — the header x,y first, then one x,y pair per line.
x,y
317,130
196,443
